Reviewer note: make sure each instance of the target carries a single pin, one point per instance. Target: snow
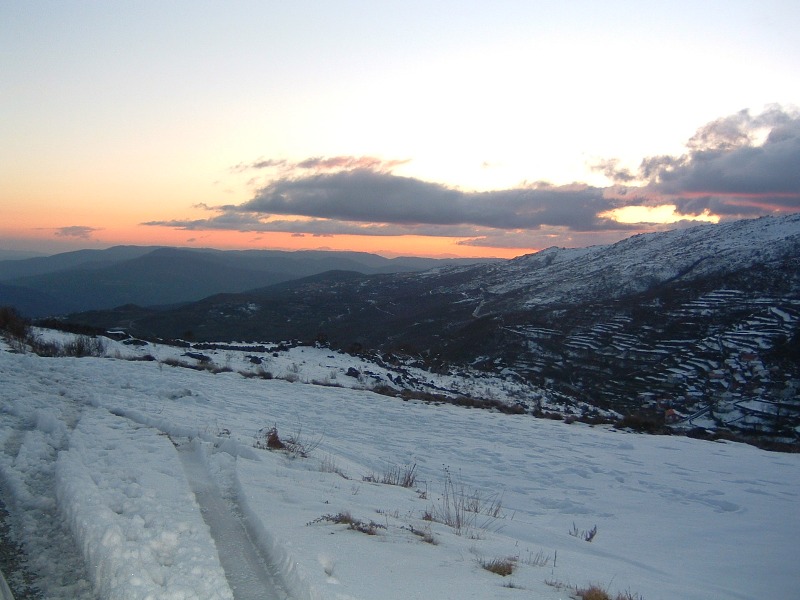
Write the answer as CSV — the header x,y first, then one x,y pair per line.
x,y
558,275
129,480
135,512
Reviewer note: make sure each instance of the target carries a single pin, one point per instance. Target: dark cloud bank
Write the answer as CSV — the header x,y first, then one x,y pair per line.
x,y
736,166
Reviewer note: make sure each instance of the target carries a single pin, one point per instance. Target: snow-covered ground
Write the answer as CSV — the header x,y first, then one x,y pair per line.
x,y
132,480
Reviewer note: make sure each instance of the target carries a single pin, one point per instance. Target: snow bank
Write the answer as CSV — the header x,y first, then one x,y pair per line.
x,y
122,491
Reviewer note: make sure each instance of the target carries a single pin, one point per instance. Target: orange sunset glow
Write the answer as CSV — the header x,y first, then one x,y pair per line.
x,y
473,132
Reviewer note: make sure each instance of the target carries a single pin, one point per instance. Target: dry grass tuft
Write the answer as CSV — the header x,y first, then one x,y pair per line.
x,y
404,476
500,566
463,510
593,593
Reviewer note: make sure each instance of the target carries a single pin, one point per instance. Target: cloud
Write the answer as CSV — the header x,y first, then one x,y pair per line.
x,y
741,165
318,227
739,130
76,231
770,170
364,195
736,165
349,162
364,201
611,169
321,164
258,164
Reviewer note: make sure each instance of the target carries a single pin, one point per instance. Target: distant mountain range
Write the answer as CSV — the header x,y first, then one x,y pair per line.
x,y
703,322
6,254
158,276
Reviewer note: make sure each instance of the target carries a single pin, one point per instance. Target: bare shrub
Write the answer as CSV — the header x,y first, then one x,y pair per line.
x,y
425,534
404,476
345,518
641,424
328,465
325,382
595,592
174,362
370,528
42,348
84,345
587,535
340,518
540,559
385,390
267,438
464,510
13,323
299,445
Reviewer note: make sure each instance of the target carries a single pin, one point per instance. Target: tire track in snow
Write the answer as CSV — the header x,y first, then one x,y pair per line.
x,y
32,436
249,573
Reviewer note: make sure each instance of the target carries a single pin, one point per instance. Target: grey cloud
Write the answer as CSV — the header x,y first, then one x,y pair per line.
x,y
246,222
652,166
739,129
724,161
258,164
364,195
725,133
331,163
76,231
611,169
321,163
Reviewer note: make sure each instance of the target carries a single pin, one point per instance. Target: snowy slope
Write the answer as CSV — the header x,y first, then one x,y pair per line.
x,y
138,480
637,263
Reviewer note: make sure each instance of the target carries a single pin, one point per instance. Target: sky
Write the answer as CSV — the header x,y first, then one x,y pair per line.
x,y
416,128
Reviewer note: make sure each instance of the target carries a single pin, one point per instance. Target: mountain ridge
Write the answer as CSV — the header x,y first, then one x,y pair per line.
x,y
161,275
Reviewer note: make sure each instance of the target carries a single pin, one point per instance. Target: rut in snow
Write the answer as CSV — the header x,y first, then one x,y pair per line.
x,y
51,565
249,573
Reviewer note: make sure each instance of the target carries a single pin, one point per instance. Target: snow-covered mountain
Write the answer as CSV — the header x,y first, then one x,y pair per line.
x,y
132,479
697,326
640,263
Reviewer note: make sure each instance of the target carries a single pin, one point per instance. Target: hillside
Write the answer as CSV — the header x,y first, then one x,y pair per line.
x,y
699,322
